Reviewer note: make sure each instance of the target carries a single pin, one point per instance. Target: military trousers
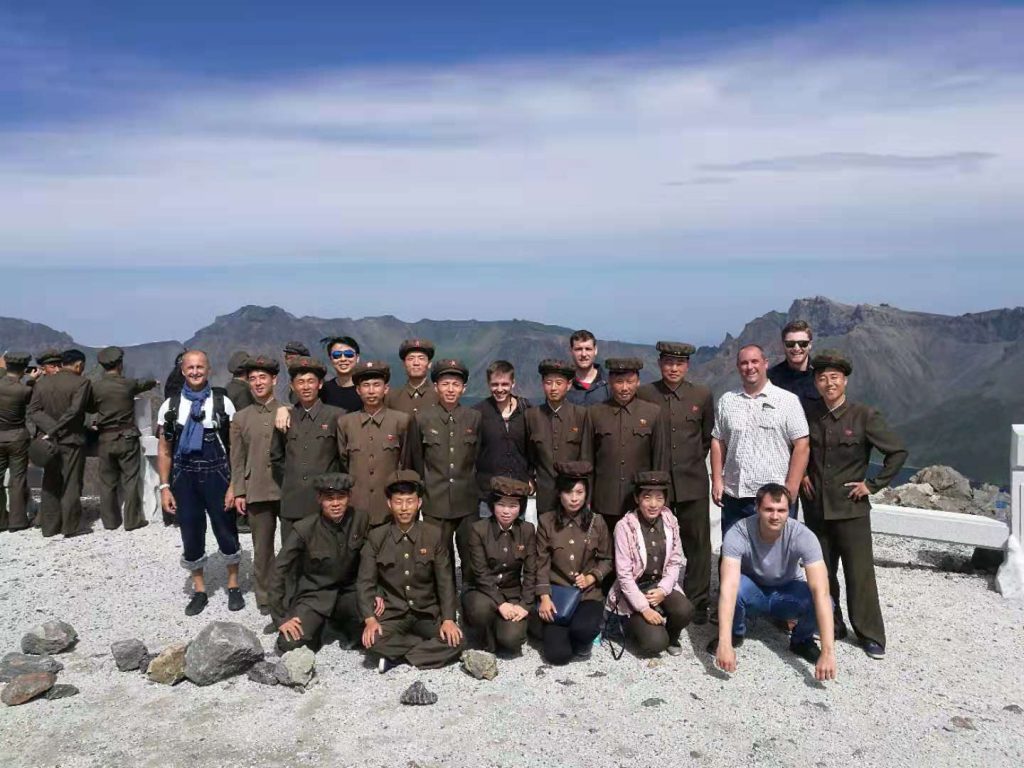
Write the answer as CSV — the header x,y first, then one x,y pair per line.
x,y
694,519
417,640
559,643
345,617
652,639
480,612
14,509
456,529
262,519
120,464
60,509
849,541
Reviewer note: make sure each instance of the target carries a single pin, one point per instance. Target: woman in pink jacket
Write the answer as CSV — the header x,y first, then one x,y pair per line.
x,y
648,560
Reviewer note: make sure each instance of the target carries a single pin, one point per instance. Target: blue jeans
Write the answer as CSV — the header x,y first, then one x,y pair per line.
x,y
199,483
734,510
788,601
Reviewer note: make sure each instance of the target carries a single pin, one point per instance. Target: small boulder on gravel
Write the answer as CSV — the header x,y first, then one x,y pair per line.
x,y
221,650
418,695
145,661
945,480
480,664
27,687
296,668
169,665
61,691
14,664
49,637
263,672
128,654
1010,576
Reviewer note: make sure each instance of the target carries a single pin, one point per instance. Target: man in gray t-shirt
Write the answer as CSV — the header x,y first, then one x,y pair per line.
x,y
760,574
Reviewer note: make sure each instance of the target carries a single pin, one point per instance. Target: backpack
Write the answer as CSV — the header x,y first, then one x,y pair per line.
x,y
172,429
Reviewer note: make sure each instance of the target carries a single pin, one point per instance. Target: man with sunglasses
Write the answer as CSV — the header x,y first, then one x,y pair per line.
x,y
343,353
796,374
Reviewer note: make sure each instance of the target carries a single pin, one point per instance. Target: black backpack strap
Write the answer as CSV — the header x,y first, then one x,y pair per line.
x,y
221,418
172,429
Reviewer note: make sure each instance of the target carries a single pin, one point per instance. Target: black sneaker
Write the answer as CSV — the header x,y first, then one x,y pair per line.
x,y
700,616
235,600
807,650
737,641
384,665
840,630
197,604
874,650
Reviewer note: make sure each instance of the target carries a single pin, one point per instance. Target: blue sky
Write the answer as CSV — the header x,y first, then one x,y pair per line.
x,y
647,170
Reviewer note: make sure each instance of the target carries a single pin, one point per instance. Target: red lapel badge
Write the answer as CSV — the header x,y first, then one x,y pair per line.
x,y
694,408
848,432
643,422
423,551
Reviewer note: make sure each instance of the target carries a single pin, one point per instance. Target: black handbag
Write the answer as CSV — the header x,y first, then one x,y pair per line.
x,y
42,452
566,600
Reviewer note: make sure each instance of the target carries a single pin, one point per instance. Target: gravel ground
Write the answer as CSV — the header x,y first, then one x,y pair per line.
x,y
956,650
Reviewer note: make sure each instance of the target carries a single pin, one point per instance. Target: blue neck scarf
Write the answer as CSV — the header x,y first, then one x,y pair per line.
x,y
191,440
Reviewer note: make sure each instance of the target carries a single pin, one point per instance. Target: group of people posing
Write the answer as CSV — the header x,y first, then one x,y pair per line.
x,y
376,488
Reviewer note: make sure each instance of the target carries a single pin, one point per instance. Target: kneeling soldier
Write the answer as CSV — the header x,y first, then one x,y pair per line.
x,y
503,551
321,558
407,563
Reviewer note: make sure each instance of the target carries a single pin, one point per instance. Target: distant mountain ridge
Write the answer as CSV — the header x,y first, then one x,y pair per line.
x,y
951,384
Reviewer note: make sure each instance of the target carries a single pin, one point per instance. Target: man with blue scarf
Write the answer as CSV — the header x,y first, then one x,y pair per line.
x,y
195,477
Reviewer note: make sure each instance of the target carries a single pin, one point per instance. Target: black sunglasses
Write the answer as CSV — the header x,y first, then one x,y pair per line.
x,y
801,344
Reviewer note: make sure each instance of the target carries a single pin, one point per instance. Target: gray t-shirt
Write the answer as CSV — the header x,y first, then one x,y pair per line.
x,y
772,565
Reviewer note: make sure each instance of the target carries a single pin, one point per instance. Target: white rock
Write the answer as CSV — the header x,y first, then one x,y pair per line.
x,y
1010,576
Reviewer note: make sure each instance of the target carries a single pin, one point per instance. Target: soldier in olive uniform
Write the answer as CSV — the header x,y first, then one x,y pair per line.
x,y
119,450
558,430
690,410
407,563
308,447
371,441
14,399
238,387
257,493
843,435
503,551
50,361
321,558
293,350
57,408
417,393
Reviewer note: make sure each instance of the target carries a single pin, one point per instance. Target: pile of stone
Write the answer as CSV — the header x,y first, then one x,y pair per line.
x,y
32,674
939,487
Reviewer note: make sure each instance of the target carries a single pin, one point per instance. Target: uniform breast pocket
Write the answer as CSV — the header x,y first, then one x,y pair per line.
x,y
429,440
644,431
851,440
469,439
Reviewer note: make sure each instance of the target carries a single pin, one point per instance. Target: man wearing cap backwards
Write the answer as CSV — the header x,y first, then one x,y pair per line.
x,y
119,450
836,492
442,449
417,393
238,387
14,399
558,431
371,441
690,411
256,491
503,550
588,385
343,352
630,435
57,408
308,446
407,563
321,560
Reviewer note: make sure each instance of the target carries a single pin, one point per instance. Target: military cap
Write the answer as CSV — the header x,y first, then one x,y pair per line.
x,y
236,363
110,356
336,482
72,356
674,349
559,367
576,470
371,369
832,358
19,359
507,486
261,363
623,365
49,356
306,364
448,365
402,477
296,348
653,480
416,345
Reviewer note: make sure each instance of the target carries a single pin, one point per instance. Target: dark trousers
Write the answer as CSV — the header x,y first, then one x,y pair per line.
x,y
199,483
481,614
457,529
417,640
609,581
559,643
120,463
849,541
60,508
694,518
262,517
652,639
345,615
14,457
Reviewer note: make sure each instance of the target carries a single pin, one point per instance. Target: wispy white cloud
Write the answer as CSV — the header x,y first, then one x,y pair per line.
x,y
648,155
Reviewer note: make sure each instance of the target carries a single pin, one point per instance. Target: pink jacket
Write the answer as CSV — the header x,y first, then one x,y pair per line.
x,y
631,560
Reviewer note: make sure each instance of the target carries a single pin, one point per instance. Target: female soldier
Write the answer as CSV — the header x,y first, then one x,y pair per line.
x,y
573,555
648,558
503,552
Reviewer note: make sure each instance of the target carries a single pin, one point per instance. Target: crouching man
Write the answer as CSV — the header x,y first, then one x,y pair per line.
x,y
321,559
760,574
406,563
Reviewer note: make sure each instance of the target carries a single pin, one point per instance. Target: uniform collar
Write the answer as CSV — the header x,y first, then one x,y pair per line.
x,y
376,418
413,533
313,412
496,528
666,390
419,391
838,412
270,405
336,527
618,408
